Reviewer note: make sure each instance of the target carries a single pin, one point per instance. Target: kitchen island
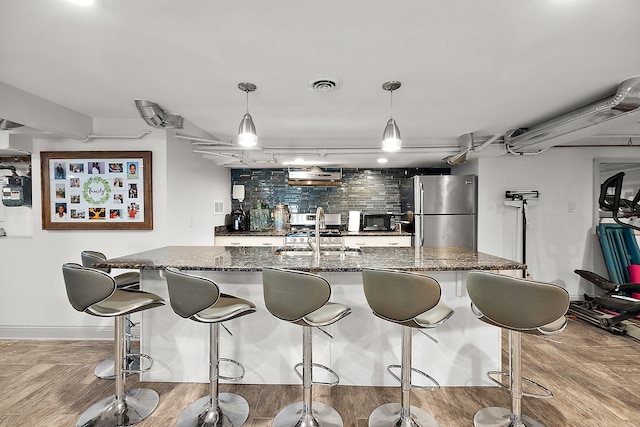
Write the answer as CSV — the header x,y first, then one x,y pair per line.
x,y
363,345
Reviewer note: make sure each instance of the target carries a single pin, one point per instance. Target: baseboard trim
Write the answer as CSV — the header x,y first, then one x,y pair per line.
x,y
58,333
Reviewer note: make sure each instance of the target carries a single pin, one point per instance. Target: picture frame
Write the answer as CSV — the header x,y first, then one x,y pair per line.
x,y
96,190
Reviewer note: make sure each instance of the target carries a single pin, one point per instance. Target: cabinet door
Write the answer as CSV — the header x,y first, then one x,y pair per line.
x,y
377,241
249,241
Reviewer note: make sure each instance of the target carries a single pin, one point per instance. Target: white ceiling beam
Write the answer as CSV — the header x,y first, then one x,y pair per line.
x,y
38,113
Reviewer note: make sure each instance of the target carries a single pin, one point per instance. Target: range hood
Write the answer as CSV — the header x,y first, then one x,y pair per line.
x,y
579,123
315,177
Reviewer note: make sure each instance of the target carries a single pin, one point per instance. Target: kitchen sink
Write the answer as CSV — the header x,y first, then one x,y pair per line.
x,y
328,251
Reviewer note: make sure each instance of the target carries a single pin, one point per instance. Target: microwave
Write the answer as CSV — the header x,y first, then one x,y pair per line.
x,y
378,222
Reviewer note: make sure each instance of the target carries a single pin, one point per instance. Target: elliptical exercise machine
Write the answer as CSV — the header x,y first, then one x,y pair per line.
x,y
614,310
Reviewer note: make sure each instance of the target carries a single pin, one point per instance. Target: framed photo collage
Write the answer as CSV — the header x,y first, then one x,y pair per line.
x,y
96,190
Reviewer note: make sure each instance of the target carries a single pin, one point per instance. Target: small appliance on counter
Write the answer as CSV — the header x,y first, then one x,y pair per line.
x,y
280,217
237,221
378,222
259,218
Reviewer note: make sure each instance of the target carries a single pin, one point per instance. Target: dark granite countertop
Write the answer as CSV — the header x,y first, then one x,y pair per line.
x,y
244,258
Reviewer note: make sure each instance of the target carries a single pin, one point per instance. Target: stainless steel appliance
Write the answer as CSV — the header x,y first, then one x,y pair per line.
x,y
302,220
300,237
378,222
442,209
303,227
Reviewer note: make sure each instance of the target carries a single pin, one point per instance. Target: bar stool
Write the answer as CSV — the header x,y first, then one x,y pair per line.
x,y
303,299
519,306
410,300
199,299
127,280
95,292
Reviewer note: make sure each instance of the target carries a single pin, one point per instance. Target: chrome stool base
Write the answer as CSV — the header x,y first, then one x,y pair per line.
x,y
501,417
232,408
389,416
138,404
104,370
323,416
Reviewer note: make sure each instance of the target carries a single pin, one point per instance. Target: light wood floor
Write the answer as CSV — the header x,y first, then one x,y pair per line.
x,y
595,377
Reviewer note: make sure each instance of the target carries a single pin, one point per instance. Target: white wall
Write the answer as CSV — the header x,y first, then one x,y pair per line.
x,y
560,236
193,184
33,301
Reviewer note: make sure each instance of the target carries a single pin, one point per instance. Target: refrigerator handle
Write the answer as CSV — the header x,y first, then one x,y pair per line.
x,y
419,230
421,204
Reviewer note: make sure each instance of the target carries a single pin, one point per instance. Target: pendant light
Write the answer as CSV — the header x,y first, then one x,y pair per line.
x,y
391,140
247,136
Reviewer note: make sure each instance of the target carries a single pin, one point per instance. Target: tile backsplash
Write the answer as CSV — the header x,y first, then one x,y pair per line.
x,y
365,190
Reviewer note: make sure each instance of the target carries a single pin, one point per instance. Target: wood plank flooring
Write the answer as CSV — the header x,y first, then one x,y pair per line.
x,y
593,374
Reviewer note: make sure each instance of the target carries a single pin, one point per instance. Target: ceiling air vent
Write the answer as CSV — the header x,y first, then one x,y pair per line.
x,y
315,177
325,84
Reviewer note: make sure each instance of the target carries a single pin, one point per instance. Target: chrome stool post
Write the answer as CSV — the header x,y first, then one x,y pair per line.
x,y
129,280
95,292
216,409
539,310
412,301
303,299
125,408
199,299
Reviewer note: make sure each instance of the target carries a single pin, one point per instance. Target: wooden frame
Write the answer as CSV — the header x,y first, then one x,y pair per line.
x,y
96,190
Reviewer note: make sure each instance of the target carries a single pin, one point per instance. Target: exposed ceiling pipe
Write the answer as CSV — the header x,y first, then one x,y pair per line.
x,y
95,136
466,145
325,151
487,143
155,116
205,141
578,123
221,159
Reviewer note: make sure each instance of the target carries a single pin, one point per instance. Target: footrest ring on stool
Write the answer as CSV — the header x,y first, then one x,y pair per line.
x,y
238,378
140,370
336,378
547,394
417,371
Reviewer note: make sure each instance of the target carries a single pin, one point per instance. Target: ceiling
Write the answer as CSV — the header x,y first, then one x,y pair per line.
x,y
466,66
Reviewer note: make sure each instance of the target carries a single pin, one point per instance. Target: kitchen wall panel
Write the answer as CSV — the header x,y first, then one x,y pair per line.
x,y
366,190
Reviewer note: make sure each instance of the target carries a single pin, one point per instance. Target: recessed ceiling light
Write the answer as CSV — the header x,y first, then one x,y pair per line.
x,y
83,2
297,161
382,160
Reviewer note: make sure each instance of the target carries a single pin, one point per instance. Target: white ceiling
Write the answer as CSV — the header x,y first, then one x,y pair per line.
x,y
465,66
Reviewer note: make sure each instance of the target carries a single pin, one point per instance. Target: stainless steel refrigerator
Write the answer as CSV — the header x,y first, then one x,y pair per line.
x,y
442,209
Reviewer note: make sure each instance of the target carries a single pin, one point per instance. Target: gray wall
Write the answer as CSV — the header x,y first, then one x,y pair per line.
x,y
366,190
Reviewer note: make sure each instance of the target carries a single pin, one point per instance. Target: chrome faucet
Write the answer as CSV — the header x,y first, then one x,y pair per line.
x,y
320,225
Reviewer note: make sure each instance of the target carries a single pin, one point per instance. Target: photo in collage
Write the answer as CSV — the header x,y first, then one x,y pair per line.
x,y
97,190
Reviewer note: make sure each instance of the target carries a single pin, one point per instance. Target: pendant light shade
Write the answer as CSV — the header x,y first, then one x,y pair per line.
x,y
247,136
391,140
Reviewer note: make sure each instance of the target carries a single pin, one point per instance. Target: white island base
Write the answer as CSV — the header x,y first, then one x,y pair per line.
x,y
362,345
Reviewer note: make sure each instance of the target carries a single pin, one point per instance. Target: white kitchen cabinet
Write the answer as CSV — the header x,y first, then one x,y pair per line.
x,y
392,240
249,241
